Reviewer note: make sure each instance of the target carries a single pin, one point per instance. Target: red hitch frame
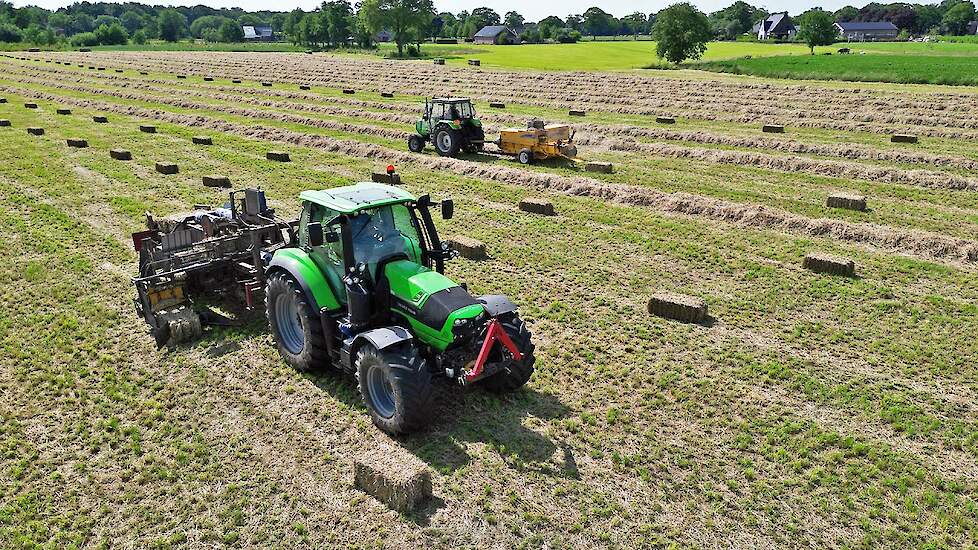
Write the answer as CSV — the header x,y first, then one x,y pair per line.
x,y
495,333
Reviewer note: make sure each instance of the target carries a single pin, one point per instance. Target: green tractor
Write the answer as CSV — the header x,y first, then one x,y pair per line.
x,y
450,125
355,284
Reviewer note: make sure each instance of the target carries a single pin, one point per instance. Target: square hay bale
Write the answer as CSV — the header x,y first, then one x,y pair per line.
x,y
826,263
348,91
167,168
401,483
665,120
475,62
64,111
305,87
120,154
537,206
266,84
497,105
388,95
903,138
144,73
77,143
384,177
202,140
101,119
3,100
847,201
680,307
91,68
602,167
182,76
30,105
280,156
439,61
208,79
214,180
147,129
4,123
34,131
101,68
119,71
236,81
772,129
468,248
577,112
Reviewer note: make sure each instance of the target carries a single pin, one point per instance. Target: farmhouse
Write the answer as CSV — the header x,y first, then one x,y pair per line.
x,y
777,25
496,34
867,31
258,32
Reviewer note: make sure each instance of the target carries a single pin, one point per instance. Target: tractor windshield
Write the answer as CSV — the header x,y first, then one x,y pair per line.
x,y
383,232
466,110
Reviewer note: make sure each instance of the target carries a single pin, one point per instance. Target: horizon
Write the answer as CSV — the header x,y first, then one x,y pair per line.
x,y
537,11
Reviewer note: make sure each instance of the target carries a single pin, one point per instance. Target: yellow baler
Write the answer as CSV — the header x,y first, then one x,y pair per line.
x,y
538,142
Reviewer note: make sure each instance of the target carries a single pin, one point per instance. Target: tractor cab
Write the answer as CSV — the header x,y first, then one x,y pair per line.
x,y
451,125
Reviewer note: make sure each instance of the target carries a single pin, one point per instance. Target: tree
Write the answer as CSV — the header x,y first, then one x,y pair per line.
x,y
681,32
734,20
291,24
80,22
816,27
549,26
172,25
311,30
230,31
111,34
139,37
514,21
207,22
928,17
956,20
485,17
636,23
10,33
575,22
403,18
337,15
597,22
132,21
846,14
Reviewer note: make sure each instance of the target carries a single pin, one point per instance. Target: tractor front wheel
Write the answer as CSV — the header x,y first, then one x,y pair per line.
x,y
395,386
416,143
296,328
525,156
448,142
516,373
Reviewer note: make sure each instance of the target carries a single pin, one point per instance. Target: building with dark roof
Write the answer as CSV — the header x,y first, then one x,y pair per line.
x,y
258,32
777,26
495,34
860,31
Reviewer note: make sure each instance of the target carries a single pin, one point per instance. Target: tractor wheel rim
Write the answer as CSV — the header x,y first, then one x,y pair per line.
x,y
444,141
289,324
381,392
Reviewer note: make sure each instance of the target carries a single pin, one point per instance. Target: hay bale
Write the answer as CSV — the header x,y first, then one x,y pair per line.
x,y
208,79
680,307
77,143
144,73
214,180
279,156
439,61
538,206
202,140
826,263
84,50
266,84
665,120
475,62
34,131
119,71
30,105
305,87
182,76
602,167
384,177
120,154
403,483
4,123
847,201
497,105
101,119
772,129
167,168
64,111
577,112
101,68
468,248
3,100
903,138
388,95
236,81
348,91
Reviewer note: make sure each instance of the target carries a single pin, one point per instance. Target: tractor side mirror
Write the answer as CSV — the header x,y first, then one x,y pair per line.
x,y
315,230
447,209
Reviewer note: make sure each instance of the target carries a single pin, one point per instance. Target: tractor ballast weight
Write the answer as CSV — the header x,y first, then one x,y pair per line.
x,y
450,125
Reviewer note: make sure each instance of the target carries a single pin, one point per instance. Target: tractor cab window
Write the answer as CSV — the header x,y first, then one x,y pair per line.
x,y
466,110
328,257
383,232
438,111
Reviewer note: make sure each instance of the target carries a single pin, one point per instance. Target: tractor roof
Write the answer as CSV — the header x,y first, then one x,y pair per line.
x,y
451,100
360,196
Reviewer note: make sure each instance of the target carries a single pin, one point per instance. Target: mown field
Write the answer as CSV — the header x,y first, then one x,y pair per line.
x,y
810,411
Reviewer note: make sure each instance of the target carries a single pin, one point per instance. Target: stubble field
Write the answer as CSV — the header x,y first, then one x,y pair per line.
x,y
809,411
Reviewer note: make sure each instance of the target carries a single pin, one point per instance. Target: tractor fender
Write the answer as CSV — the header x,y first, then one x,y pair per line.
x,y
497,304
297,263
382,338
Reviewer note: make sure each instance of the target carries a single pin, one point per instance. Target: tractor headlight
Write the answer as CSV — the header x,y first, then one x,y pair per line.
x,y
461,322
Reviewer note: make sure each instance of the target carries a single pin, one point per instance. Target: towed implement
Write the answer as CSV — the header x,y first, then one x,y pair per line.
x,y
356,284
538,141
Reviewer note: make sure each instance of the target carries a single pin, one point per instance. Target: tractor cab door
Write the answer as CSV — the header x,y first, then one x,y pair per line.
x,y
329,256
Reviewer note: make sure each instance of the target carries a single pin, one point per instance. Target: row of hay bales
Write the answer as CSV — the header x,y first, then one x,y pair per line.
x,y
166,168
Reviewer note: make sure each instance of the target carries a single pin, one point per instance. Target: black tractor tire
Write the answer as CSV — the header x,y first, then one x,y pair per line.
x,y
395,386
525,156
516,373
295,326
447,142
415,143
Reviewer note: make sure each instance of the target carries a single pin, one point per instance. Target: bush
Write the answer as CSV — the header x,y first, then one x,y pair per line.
x,y
10,33
109,35
139,37
566,36
84,39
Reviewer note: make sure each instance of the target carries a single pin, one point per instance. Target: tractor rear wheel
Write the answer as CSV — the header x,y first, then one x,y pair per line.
x,y
516,373
525,156
416,143
395,386
296,328
448,142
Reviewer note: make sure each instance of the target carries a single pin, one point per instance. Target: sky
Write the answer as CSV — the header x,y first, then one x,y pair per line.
x,y
534,11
